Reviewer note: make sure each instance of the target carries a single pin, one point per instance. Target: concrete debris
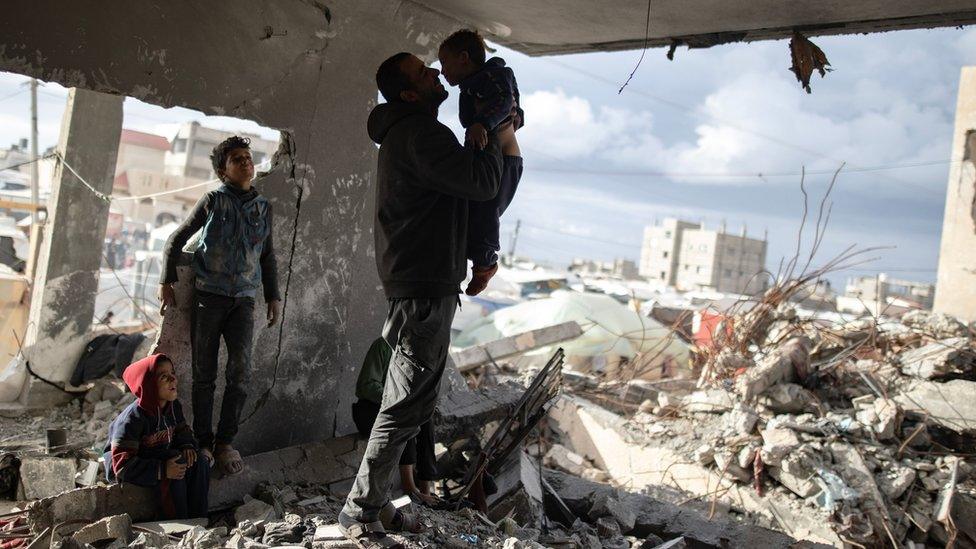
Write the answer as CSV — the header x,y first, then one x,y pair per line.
x,y
607,505
778,442
938,359
786,398
779,366
43,477
741,420
713,401
118,527
841,434
564,459
255,510
937,325
93,503
950,405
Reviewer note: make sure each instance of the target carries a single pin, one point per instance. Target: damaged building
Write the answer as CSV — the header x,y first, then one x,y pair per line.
x,y
306,68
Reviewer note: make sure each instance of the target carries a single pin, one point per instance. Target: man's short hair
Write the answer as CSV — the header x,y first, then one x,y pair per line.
x,y
390,78
470,41
218,157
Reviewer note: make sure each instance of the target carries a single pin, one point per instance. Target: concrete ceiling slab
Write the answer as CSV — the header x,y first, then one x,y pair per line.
x,y
572,26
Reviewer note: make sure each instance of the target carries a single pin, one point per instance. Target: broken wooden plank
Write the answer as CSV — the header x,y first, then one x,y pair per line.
x,y
473,357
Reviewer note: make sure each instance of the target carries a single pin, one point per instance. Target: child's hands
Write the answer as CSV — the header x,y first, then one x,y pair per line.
x,y
167,298
274,312
477,135
174,469
190,455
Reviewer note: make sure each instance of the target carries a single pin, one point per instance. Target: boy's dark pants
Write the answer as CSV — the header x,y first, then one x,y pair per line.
x,y
215,316
483,217
419,450
188,497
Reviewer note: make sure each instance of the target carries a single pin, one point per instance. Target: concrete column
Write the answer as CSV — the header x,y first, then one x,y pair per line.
x,y
955,291
66,279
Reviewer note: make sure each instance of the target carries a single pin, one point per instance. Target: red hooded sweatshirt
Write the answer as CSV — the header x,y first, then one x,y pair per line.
x,y
143,436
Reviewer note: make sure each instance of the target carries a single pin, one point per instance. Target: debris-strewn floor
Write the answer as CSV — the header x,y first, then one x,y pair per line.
x,y
841,434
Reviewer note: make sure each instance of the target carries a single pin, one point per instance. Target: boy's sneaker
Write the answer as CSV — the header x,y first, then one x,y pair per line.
x,y
479,279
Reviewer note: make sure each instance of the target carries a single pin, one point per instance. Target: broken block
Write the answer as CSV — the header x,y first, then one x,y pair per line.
x,y
726,461
938,359
779,366
607,505
741,420
714,401
42,476
118,527
894,480
255,510
778,442
93,503
950,404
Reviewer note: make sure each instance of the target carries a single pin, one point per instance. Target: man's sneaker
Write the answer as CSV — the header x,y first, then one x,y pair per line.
x,y
479,279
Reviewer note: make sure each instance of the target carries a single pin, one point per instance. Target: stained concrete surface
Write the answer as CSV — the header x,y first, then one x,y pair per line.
x,y
314,80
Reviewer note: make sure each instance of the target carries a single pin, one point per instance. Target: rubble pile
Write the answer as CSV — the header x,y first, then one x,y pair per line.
x,y
863,427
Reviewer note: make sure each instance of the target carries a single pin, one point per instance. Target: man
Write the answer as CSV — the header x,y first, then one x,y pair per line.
x,y
425,179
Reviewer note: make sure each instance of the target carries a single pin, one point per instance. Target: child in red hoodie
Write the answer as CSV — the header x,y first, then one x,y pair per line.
x,y
150,443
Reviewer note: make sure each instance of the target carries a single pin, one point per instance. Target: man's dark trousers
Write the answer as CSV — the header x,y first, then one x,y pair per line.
x,y
419,331
215,316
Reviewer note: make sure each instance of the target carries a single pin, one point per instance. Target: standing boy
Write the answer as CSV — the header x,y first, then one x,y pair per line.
x,y
489,102
235,257
150,444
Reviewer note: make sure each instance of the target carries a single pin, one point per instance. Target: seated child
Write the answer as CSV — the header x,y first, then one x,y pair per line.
x,y
150,444
489,101
418,467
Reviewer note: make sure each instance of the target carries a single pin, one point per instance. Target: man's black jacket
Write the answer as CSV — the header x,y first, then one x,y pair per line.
x,y
424,181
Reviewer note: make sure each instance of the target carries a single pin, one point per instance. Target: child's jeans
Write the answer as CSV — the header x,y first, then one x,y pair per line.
x,y
188,497
483,217
216,316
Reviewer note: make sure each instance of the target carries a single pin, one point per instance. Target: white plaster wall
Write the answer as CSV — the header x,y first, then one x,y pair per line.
x,y
955,291
314,81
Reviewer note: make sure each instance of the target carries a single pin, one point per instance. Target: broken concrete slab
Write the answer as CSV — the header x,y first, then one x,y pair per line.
x,y
116,527
93,503
519,492
742,419
786,398
780,366
938,359
45,476
462,413
562,458
667,520
950,404
894,480
172,527
603,438
713,401
778,442
323,462
609,505
957,509
255,510
473,357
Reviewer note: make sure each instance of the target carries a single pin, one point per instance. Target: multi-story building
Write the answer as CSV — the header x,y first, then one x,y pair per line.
x,y
618,268
690,257
189,155
141,151
881,293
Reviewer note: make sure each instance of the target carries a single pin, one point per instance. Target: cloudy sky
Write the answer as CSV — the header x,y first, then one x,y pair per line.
x,y
715,135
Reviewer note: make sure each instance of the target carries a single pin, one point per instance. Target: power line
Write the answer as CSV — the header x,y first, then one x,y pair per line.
x,y
642,173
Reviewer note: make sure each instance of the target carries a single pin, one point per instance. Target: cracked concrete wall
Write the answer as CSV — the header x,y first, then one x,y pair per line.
x,y
955,291
313,78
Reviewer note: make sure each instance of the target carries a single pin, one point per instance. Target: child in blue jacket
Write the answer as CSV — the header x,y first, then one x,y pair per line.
x,y
150,444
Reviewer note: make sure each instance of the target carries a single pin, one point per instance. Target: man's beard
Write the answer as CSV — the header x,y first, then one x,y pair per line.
x,y
434,97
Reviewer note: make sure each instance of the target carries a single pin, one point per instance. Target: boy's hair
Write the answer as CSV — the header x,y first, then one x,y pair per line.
x,y
470,41
390,80
219,154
